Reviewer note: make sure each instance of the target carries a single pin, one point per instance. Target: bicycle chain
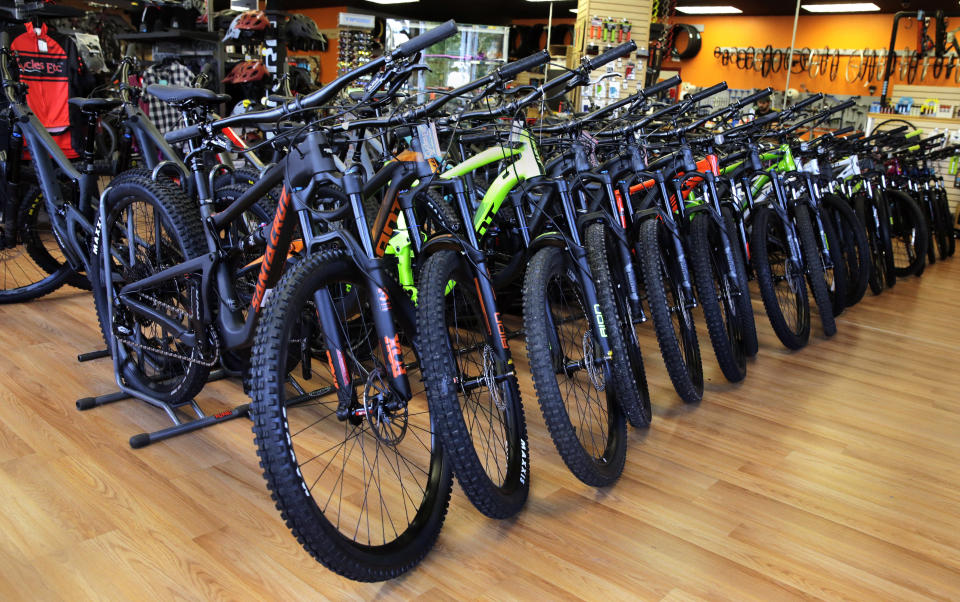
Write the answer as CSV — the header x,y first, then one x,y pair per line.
x,y
179,356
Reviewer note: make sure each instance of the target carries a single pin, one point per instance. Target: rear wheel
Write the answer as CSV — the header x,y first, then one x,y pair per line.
x,y
570,374
473,393
366,492
908,233
21,277
152,226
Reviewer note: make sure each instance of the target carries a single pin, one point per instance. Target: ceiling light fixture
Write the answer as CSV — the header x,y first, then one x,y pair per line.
x,y
393,1
709,10
841,7
574,10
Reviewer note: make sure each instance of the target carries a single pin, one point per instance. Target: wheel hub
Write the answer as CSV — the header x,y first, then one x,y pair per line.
x,y
385,414
590,363
490,378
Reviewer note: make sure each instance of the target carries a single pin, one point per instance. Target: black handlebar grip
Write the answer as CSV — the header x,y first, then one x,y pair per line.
x,y
755,97
806,102
426,39
510,70
661,86
708,92
183,134
932,139
611,55
843,131
843,106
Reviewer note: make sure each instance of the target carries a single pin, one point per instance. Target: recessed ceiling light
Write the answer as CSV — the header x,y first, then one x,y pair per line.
x,y
573,10
392,1
841,7
709,10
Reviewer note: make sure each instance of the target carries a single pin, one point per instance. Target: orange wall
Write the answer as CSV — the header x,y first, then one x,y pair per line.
x,y
837,31
326,18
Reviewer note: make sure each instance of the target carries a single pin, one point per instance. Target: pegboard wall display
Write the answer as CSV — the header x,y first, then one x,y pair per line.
x,y
603,24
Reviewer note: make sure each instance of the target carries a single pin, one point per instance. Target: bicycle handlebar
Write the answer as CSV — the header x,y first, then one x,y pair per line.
x,y
511,70
424,40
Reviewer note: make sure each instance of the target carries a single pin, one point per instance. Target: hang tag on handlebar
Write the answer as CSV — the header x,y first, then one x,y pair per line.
x,y
516,129
590,146
719,139
429,143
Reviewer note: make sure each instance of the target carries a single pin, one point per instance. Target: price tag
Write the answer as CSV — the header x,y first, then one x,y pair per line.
x,y
516,129
42,45
429,143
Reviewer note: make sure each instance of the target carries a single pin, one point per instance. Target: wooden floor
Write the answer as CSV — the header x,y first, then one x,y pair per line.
x,y
833,472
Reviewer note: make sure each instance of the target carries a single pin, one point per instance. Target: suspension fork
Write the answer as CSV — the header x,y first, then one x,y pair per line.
x,y
780,207
481,278
814,203
626,258
717,215
686,281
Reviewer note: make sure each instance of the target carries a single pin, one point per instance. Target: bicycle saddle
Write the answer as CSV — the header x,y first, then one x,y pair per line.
x,y
95,105
182,96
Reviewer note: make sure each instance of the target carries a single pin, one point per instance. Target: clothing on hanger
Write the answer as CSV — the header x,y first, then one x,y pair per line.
x,y
51,66
166,73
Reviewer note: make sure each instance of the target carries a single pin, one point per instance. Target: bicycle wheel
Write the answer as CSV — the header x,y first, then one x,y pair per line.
x,y
780,278
744,305
21,277
153,226
813,264
931,218
836,275
908,233
365,495
670,308
570,375
947,222
37,235
473,394
868,215
944,229
628,373
853,244
717,290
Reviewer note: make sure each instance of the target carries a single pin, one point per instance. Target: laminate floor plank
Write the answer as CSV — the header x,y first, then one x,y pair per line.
x,y
829,473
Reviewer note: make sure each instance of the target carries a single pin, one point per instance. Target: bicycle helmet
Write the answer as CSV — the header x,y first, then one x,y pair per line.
x,y
302,34
247,25
224,18
247,71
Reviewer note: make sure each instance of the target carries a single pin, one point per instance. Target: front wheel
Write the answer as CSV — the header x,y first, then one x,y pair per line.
x,y
570,374
629,375
813,263
718,288
780,278
472,387
366,492
670,307
853,245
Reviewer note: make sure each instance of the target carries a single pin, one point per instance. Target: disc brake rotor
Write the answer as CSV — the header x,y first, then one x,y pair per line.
x,y
388,421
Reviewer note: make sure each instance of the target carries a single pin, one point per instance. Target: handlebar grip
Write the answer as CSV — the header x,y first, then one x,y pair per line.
x,y
426,39
843,131
912,134
932,139
183,134
913,148
611,55
661,86
708,92
510,70
843,106
806,102
755,97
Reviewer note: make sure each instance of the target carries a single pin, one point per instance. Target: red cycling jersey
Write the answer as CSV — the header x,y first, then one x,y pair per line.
x,y
51,67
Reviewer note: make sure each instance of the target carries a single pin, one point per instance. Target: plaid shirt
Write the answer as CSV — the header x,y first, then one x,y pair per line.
x,y
164,116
